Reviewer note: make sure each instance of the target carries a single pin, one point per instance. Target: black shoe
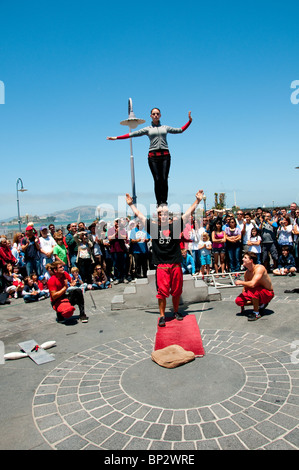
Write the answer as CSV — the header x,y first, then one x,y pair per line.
x,y
83,318
178,316
161,321
254,317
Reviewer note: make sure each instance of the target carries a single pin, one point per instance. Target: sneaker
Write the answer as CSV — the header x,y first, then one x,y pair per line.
x,y
254,317
83,318
116,282
178,316
161,321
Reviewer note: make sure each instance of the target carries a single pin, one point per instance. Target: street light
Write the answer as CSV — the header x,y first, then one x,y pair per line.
x,y
132,122
21,189
204,202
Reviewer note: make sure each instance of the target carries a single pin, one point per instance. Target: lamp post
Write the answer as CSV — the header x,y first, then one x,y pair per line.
x,y
132,122
204,203
21,189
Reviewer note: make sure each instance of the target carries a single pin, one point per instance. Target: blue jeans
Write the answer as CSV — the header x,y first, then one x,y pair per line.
x,y
119,265
33,266
33,298
102,286
234,257
196,257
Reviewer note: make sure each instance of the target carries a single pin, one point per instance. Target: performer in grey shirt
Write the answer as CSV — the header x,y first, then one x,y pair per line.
x,y
158,156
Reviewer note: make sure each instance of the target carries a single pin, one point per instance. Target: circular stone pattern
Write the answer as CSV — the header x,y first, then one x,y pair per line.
x,y
243,394
201,382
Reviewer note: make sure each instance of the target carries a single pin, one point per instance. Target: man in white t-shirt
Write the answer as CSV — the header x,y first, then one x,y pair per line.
x,y
246,231
47,244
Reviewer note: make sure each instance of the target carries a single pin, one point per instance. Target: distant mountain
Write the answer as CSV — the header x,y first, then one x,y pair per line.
x,y
72,215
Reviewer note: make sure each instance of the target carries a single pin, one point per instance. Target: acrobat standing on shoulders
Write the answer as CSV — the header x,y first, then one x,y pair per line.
x,y
158,156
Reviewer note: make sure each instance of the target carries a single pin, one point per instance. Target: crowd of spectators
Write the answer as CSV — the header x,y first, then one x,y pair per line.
x,y
103,254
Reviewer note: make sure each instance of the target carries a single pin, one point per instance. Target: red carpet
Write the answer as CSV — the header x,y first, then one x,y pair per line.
x,y
184,333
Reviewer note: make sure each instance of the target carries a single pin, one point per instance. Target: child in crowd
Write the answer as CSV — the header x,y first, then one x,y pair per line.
x,y
188,264
254,243
31,292
43,284
77,280
218,246
60,251
205,247
99,279
286,263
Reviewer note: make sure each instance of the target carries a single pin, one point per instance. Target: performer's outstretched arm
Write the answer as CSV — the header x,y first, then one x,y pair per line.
x,y
199,196
136,211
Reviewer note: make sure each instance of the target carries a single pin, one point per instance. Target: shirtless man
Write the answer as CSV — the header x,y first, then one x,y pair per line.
x,y
258,289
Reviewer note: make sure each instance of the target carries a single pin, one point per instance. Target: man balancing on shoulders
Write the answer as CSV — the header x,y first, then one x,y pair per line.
x,y
167,256
258,289
62,300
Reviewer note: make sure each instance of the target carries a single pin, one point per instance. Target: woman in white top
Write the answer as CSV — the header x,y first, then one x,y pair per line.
x,y
284,233
254,243
85,257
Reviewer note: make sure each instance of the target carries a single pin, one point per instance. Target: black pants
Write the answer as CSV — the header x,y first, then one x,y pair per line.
x,y
159,167
76,297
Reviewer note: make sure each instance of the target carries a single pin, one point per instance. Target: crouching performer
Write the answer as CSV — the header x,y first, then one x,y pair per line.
x,y
258,289
62,300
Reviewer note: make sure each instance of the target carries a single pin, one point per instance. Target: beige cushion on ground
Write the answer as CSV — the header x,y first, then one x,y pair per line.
x,y
172,356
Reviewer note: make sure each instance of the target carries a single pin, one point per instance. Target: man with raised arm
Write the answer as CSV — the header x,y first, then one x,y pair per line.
x,y
167,256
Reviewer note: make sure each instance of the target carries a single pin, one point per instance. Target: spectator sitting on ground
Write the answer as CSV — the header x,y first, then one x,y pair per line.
x,y
18,281
31,292
43,284
99,279
49,271
6,255
286,263
188,265
12,285
77,280
18,253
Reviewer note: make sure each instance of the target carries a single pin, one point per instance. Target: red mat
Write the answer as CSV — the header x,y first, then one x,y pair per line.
x,y
184,333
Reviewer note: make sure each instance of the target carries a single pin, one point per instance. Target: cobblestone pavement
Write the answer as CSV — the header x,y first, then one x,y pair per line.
x,y
86,402
108,394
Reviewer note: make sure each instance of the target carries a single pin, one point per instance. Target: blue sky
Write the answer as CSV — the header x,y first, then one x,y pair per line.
x,y
69,68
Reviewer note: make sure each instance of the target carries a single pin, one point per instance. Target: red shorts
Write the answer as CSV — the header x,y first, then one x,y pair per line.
x,y
263,295
169,280
64,308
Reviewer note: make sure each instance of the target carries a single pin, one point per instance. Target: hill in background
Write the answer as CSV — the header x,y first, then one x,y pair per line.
x,y
72,215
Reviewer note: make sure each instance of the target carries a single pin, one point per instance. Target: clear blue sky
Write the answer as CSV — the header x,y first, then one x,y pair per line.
x,y
69,68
